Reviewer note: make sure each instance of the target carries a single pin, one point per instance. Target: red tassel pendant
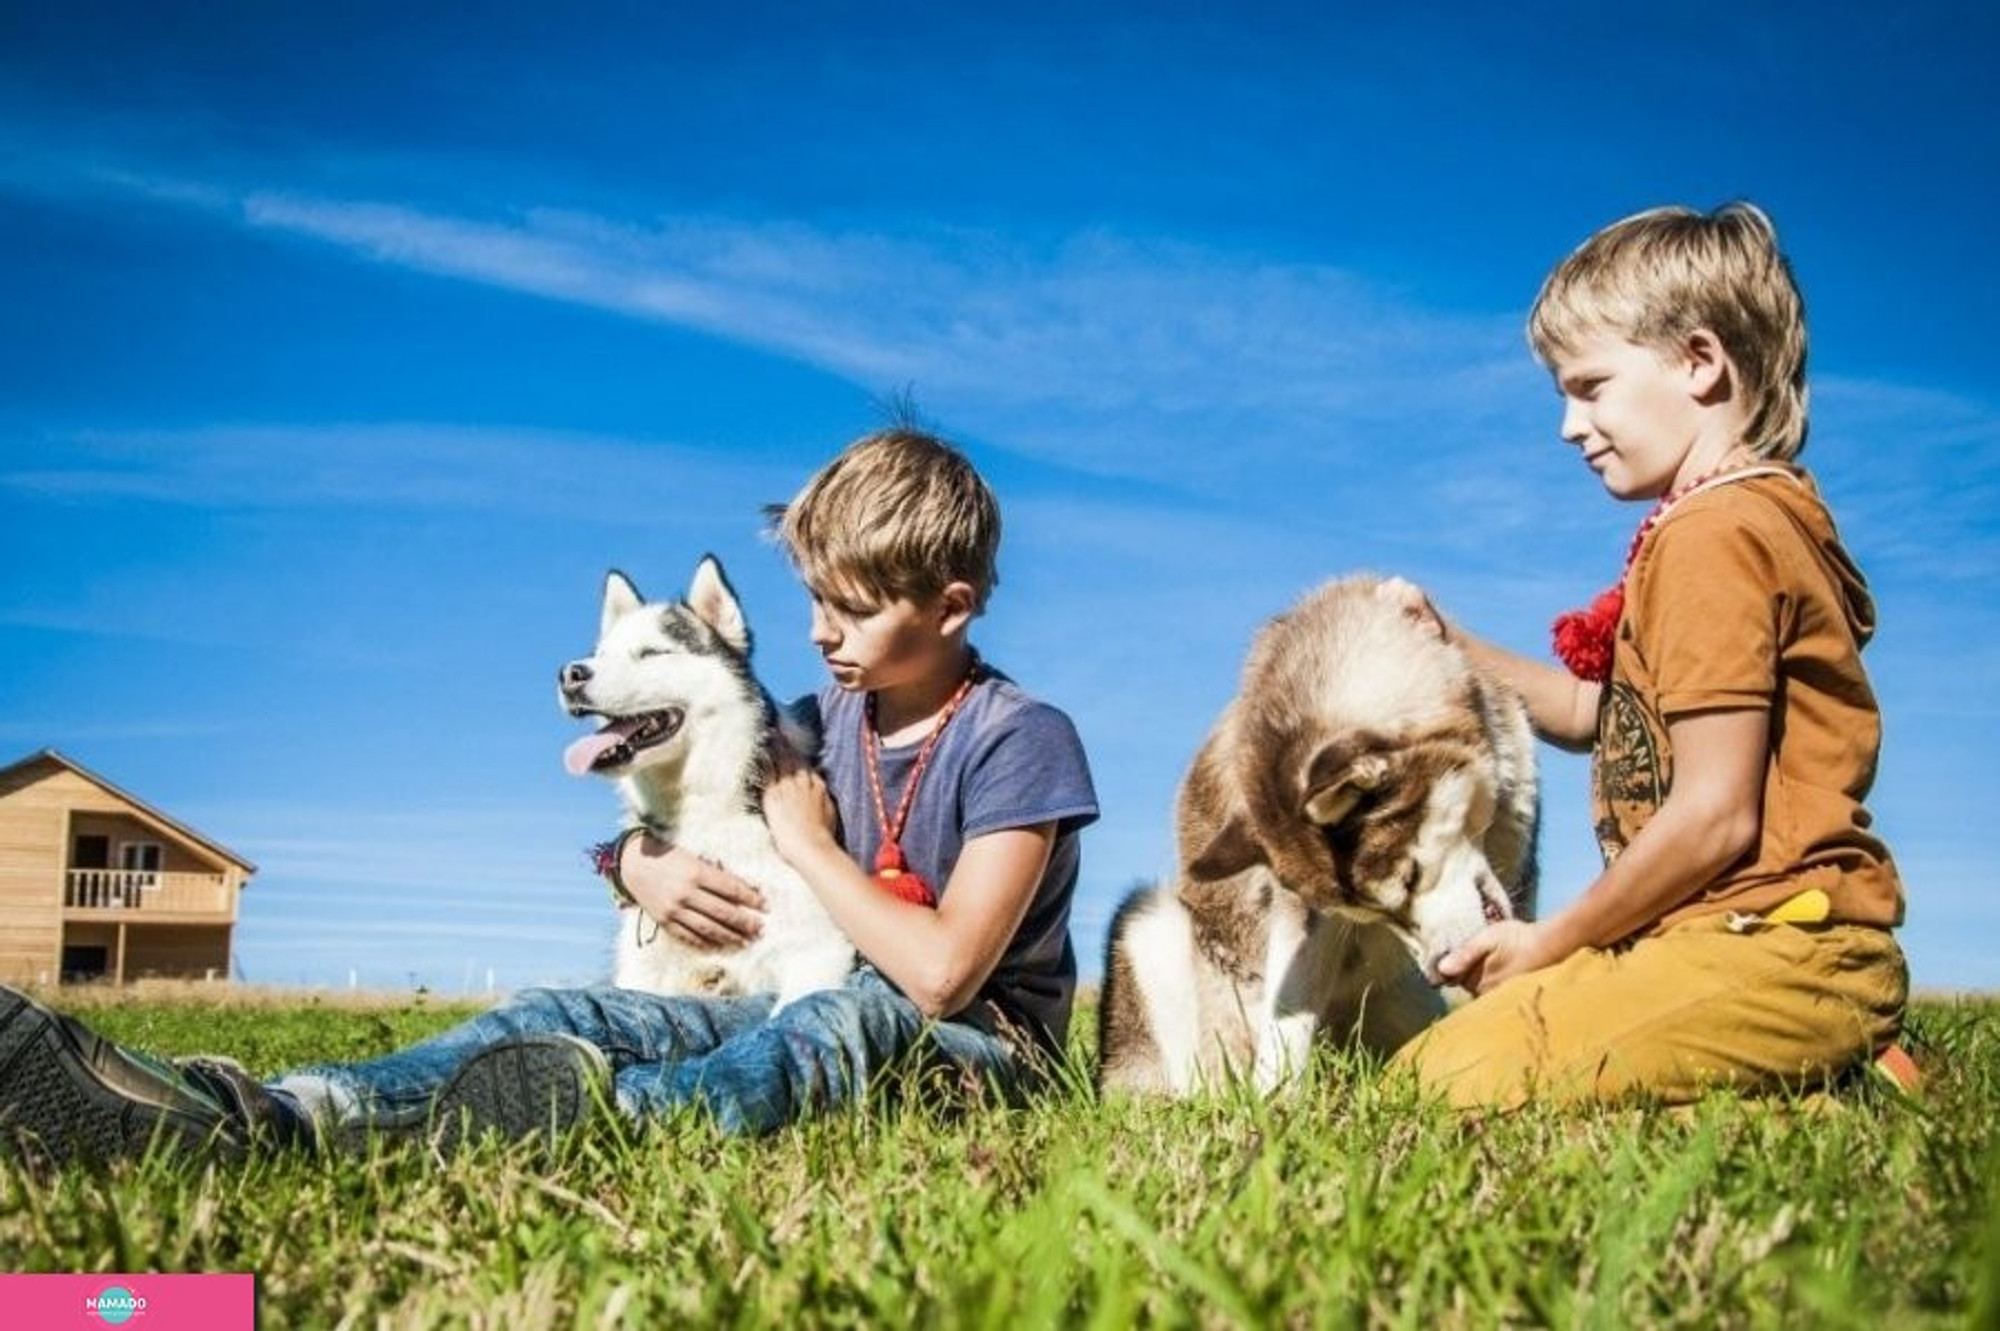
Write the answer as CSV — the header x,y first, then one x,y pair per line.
x,y
1584,638
892,871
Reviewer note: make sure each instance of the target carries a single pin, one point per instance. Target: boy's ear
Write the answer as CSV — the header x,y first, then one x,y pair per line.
x,y
1709,368
957,606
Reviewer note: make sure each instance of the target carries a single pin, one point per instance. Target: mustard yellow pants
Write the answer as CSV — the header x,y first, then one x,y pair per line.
x,y
1760,1007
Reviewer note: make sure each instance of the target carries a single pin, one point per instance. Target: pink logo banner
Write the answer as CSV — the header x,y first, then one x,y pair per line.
x,y
141,1302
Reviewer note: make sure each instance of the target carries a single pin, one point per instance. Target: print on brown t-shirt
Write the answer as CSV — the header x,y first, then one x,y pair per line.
x,y
1631,768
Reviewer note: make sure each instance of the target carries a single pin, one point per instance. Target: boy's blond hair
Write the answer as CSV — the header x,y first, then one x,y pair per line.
x,y
900,513
1657,276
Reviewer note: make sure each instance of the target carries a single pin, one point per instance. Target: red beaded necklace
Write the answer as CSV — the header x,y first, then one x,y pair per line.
x,y
892,869
1583,638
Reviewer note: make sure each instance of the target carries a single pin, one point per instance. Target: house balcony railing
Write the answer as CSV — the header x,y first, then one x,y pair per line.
x,y
147,890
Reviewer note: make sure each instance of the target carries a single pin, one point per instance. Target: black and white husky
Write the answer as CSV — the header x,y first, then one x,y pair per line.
x,y
1365,804
686,735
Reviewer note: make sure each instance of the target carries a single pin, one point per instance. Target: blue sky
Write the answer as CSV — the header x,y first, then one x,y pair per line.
x,y
348,345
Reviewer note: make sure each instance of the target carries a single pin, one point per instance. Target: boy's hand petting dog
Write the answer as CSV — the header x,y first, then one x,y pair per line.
x,y
1498,953
798,807
699,903
1415,605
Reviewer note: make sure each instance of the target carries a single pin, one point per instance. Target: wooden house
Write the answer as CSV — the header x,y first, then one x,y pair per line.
x,y
98,885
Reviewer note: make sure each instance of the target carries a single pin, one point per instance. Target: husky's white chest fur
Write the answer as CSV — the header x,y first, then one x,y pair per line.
x,y
686,736
800,949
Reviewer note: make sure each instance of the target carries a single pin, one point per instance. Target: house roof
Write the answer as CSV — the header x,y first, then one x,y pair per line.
x,y
152,814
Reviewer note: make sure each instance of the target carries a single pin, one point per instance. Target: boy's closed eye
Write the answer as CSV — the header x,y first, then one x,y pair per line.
x,y
844,607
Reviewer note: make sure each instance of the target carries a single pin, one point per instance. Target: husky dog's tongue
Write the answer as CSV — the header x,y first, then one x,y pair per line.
x,y
581,757
619,741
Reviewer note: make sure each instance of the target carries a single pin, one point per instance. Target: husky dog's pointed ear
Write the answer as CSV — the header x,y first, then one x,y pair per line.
x,y
1229,850
621,598
710,598
1338,779
1216,838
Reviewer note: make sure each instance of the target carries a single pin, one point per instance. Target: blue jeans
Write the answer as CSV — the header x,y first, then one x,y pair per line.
x,y
751,1069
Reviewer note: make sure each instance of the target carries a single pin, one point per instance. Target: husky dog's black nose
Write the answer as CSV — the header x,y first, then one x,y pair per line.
x,y
574,675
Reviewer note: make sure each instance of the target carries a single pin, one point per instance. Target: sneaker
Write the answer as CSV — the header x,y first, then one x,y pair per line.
x,y
263,1116
67,1093
522,1087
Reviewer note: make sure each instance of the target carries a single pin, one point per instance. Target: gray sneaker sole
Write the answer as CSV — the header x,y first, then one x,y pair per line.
x,y
54,1106
531,1085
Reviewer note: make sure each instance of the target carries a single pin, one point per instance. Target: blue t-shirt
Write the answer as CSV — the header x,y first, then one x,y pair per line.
x,y
1004,760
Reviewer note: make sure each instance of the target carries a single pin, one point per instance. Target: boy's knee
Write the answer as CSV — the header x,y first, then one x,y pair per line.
x,y
1493,1053
544,1010
863,1028
835,1014
1453,1069
532,1004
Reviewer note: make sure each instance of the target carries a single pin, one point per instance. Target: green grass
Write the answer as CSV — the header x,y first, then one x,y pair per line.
x,y
1346,1205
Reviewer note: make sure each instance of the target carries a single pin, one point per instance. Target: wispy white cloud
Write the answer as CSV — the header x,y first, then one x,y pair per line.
x,y
1254,359
1102,351
1095,349
385,465
958,311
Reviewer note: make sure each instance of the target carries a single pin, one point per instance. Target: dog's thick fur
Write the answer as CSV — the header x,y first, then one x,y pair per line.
x,y
1366,803
687,737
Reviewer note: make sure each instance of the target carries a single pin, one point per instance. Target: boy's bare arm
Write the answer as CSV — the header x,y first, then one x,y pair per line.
x,y
938,957
1561,707
1711,818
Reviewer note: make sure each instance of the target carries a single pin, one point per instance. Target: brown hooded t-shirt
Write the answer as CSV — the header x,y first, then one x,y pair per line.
x,y
1743,597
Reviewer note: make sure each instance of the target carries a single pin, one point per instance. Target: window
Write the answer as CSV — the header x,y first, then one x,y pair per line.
x,y
139,864
91,851
85,963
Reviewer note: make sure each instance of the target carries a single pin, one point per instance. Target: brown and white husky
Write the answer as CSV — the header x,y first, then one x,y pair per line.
x,y
1366,803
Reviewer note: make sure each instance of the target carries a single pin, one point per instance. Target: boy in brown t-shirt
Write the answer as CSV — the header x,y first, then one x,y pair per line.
x,y
1740,932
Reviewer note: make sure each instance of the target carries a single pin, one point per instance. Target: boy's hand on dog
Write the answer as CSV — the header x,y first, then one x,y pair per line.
x,y
699,903
1497,954
798,807
1415,604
